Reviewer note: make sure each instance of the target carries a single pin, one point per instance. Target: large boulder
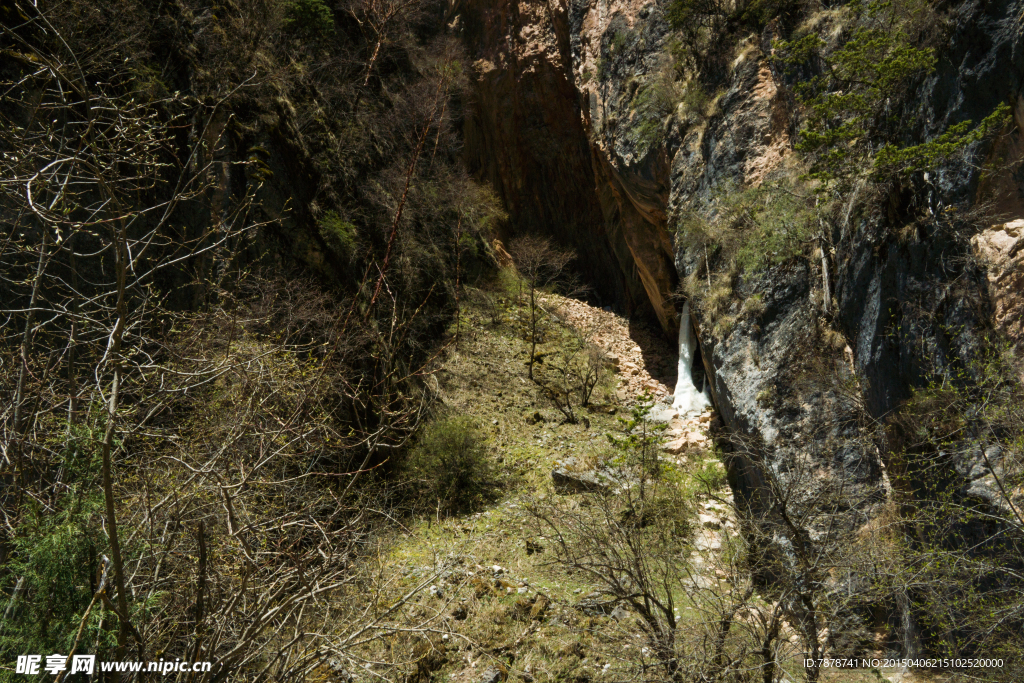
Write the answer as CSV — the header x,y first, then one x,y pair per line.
x,y
569,476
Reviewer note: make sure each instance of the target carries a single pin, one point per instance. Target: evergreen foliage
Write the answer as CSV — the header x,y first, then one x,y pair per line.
x,y
57,561
707,29
339,234
892,159
753,227
309,17
700,23
852,101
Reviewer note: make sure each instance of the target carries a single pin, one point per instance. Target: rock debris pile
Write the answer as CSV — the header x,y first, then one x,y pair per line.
x,y
642,358
644,363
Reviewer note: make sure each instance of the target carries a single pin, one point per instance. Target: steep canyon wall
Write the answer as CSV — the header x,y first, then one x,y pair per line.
x,y
532,136
591,136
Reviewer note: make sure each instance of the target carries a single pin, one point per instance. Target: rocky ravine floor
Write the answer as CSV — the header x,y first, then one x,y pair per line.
x,y
644,365
498,608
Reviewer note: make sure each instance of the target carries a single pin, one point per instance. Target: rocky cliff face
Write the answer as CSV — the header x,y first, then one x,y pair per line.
x,y
576,123
591,136
581,123
532,135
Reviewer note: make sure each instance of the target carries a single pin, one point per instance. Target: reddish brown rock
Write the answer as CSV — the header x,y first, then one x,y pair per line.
x,y
1002,249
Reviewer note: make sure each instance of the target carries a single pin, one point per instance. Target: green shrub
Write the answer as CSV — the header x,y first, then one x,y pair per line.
x,y
646,135
652,102
637,442
668,510
700,25
451,463
783,224
755,227
711,475
753,306
56,558
571,375
654,98
758,13
697,99
684,15
309,17
339,234
619,41
51,575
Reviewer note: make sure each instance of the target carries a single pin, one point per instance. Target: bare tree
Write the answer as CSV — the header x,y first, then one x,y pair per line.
x,y
572,373
381,20
541,265
83,164
697,609
224,419
955,536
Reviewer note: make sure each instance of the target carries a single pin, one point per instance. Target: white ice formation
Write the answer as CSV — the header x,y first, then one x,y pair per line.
x,y
689,398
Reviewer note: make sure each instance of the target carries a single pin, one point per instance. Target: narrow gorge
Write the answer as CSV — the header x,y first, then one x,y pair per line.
x,y
512,341
593,130
574,124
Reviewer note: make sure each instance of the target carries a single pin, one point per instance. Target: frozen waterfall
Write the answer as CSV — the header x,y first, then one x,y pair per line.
x,y
689,398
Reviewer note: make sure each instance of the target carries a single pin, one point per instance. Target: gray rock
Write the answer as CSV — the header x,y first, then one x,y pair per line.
x,y
662,413
569,482
592,605
492,675
709,521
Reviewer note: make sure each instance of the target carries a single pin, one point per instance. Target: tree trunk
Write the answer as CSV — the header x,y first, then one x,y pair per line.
x,y
114,353
26,349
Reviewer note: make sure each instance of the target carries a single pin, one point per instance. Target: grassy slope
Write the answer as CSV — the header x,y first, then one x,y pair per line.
x,y
522,622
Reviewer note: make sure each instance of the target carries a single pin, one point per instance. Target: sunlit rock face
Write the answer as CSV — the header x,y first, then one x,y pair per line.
x,y
582,128
587,134
1001,248
526,135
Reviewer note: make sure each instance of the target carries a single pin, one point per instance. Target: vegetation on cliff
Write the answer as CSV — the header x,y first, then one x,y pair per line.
x,y
235,233
877,172
254,413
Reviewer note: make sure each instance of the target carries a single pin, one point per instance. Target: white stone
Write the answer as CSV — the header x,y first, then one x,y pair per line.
x,y
709,521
